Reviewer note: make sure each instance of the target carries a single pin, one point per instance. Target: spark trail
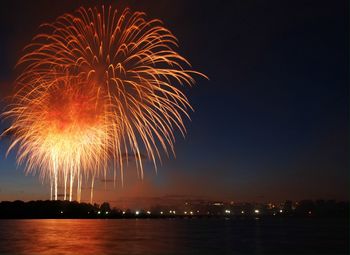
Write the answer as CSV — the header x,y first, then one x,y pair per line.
x,y
96,86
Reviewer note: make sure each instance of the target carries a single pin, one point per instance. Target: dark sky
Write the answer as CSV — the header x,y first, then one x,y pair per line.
x,y
272,122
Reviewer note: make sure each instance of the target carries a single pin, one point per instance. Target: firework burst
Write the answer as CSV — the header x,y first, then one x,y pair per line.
x,y
95,86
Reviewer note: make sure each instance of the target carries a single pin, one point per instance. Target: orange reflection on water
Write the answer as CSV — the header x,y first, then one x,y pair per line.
x,y
86,236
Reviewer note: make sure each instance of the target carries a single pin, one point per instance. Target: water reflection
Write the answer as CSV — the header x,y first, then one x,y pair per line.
x,y
85,236
173,236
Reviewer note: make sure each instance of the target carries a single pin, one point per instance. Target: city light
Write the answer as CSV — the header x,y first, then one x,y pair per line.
x,y
195,210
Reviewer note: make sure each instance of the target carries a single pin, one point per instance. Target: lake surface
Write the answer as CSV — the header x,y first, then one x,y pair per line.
x,y
175,236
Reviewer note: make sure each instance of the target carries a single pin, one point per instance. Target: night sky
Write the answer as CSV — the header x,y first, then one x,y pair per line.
x,y
271,123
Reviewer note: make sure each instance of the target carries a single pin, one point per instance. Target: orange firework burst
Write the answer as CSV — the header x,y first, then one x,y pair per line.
x,y
97,85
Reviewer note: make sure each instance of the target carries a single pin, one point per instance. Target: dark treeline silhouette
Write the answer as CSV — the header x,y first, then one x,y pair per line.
x,y
321,208
65,209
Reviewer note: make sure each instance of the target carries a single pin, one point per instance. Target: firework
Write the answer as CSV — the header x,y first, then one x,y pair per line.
x,y
95,87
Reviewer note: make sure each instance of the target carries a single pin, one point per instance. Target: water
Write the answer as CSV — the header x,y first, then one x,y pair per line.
x,y
175,236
